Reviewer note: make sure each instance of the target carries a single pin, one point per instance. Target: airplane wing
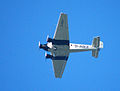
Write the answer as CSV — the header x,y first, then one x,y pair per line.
x,y
60,59
59,66
61,32
61,44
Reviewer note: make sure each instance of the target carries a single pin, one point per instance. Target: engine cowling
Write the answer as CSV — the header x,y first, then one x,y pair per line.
x,y
49,39
43,46
48,56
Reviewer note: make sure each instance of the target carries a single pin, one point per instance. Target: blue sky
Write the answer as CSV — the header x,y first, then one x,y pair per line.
x,y
23,23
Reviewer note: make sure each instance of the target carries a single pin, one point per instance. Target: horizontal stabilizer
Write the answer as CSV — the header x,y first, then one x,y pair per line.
x,y
95,53
97,44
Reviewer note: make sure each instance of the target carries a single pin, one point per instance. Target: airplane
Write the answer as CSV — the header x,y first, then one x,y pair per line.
x,y
60,46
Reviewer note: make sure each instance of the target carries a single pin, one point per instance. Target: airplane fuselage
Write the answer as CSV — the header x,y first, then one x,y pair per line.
x,y
71,47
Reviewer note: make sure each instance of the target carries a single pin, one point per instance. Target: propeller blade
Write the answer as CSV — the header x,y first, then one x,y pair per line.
x,y
45,56
47,38
39,44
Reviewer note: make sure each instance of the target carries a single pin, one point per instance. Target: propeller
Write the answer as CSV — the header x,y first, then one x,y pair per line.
x,y
47,38
45,56
39,44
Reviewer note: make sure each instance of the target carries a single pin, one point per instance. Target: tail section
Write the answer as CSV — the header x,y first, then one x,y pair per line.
x,y
97,44
95,53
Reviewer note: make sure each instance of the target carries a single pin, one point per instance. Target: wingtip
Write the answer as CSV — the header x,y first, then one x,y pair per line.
x,y
63,13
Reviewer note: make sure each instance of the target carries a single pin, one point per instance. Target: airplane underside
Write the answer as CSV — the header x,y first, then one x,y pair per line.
x,y
60,47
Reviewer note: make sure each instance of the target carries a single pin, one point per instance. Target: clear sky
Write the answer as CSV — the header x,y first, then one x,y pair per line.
x,y
23,23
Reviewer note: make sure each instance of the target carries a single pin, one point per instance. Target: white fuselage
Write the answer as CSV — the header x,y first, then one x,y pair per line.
x,y
72,47
80,47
